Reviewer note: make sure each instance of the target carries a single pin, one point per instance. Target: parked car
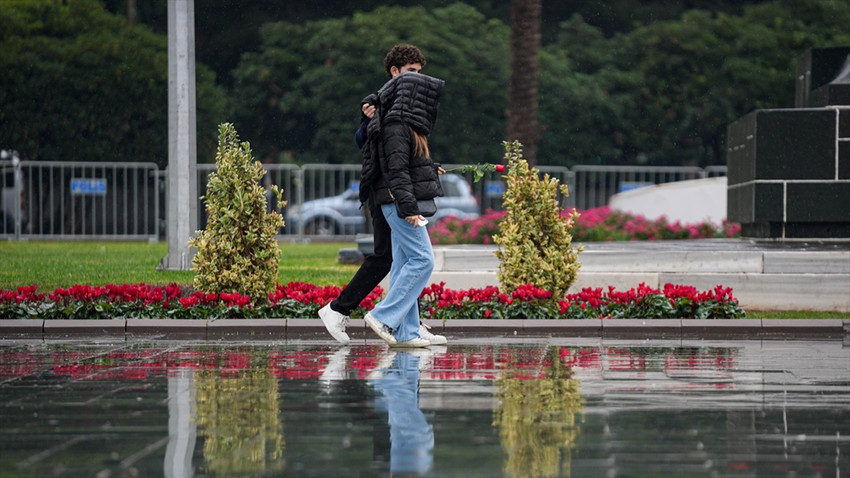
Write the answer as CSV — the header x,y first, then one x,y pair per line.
x,y
342,214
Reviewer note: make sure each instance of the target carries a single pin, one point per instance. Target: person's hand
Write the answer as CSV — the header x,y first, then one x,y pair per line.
x,y
368,110
414,220
440,170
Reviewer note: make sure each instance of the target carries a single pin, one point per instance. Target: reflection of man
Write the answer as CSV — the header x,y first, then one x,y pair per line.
x,y
411,436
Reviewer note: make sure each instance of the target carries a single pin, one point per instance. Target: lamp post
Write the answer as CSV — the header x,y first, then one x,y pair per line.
x,y
182,188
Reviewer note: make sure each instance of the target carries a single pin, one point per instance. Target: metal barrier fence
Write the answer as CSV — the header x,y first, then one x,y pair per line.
x,y
92,200
100,200
596,184
490,189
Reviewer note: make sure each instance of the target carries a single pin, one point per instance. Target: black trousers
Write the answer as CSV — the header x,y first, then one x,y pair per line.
x,y
372,271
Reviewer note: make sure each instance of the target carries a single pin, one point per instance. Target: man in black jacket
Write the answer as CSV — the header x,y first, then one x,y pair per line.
x,y
335,315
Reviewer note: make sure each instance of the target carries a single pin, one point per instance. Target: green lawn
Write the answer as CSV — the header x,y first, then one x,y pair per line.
x,y
51,265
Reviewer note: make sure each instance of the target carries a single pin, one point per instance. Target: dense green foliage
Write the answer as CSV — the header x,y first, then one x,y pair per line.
x,y
300,94
664,93
238,251
78,84
660,93
621,82
224,30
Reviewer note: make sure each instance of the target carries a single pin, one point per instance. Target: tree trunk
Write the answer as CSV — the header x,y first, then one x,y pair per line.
x,y
522,85
131,12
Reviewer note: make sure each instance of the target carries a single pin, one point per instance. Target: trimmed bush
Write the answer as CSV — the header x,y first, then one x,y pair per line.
x,y
535,241
238,251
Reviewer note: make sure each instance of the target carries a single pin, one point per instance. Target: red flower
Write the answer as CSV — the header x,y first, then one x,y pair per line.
x,y
190,301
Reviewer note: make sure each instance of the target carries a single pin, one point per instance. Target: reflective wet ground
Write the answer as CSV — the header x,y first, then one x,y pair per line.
x,y
481,407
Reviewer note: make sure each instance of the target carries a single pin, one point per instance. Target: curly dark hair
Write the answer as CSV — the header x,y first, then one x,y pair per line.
x,y
401,55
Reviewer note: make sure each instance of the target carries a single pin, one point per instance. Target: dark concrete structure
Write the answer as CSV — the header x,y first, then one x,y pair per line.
x,y
789,169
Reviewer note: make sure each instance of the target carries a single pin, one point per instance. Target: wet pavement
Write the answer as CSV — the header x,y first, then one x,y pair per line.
x,y
516,406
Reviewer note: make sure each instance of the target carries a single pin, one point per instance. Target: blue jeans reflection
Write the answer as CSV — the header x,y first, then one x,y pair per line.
x,y
411,436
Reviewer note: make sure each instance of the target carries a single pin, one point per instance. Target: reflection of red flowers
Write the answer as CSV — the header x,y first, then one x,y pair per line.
x,y
691,365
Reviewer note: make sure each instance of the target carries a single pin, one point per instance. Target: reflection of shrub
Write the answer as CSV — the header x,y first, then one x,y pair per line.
x,y
597,224
536,420
239,417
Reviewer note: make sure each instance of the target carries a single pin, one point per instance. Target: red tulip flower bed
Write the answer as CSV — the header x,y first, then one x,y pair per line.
x,y
298,299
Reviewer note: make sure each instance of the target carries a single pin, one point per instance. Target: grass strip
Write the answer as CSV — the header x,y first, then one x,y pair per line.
x,y
51,265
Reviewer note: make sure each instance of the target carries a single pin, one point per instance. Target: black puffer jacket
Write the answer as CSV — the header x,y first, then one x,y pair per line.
x,y
391,170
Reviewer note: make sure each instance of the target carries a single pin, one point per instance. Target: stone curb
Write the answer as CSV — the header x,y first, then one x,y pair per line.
x,y
310,328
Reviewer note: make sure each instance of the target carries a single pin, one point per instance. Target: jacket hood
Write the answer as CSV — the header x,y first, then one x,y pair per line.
x,y
412,98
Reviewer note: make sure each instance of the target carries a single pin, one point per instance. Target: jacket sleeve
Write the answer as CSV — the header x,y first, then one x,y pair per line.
x,y
360,134
397,151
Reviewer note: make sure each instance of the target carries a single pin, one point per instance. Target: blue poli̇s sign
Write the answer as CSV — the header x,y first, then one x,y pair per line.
x,y
494,189
88,187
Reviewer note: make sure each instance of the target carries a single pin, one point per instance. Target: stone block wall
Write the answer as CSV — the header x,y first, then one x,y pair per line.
x,y
789,169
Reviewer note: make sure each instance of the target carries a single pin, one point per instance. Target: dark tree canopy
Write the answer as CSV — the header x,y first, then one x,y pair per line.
x,y
620,82
300,94
78,84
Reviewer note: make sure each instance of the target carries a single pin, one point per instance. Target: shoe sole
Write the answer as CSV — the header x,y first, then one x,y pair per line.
x,y
436,340
433,338
423,344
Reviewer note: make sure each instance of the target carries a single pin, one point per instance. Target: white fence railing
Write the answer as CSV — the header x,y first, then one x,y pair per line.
x,y
126,201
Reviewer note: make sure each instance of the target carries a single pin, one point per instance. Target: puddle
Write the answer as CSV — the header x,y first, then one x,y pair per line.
x,y
529,408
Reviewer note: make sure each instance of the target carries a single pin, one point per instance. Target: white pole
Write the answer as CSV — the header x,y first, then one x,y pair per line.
x,y
182,189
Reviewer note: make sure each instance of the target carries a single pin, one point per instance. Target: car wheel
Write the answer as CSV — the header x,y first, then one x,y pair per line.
x,y
320,226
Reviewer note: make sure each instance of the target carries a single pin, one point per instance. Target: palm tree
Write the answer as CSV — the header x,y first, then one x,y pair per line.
x,y
522,85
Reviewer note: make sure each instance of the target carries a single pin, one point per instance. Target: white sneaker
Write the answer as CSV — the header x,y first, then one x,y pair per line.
x,y
433,338
383,330
335,323
414,342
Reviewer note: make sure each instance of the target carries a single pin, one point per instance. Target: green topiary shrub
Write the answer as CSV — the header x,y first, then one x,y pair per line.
x,y
535,241
237,252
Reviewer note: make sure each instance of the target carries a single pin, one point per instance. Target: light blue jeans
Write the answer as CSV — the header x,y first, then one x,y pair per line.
x,y
413,262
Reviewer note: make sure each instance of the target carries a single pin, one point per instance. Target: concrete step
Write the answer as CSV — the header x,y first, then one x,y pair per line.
x,y
763,276
624,258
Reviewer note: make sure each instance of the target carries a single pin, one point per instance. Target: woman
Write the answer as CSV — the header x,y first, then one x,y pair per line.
x,y
398,173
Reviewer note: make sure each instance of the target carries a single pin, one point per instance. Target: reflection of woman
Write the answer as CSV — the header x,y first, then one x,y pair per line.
x,y
411,436
400,172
